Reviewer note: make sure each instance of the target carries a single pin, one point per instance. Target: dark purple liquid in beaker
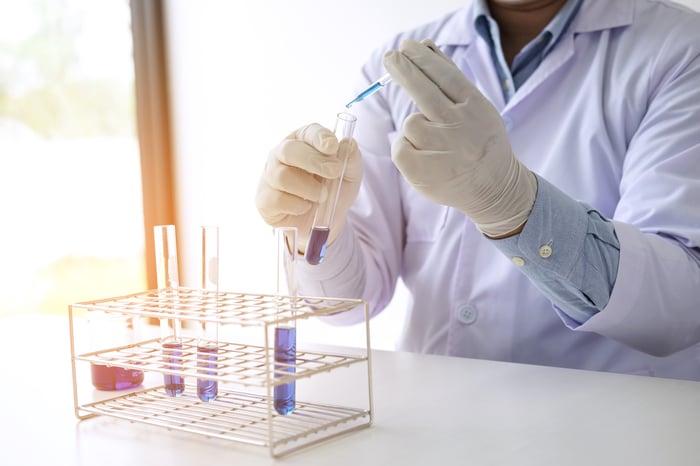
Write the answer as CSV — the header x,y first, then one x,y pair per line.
x,y
316,249
207,389
174,384
114,378
286,354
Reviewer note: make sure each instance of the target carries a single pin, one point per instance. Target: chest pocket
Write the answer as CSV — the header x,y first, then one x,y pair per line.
x,y
424,219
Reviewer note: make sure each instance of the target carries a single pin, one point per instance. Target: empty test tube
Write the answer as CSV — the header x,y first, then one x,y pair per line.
x,y
168,284
208,341
285,331
320,230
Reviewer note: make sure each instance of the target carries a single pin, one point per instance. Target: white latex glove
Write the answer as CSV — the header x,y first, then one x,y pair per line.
x,y
291,185
456,152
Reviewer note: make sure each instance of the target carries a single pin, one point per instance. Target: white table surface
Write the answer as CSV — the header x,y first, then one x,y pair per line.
x,y
429,410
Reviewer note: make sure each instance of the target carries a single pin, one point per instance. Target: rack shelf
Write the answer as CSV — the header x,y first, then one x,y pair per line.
x,y
247,373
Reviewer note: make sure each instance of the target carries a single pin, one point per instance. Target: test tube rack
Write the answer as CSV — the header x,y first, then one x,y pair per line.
x,y
243,411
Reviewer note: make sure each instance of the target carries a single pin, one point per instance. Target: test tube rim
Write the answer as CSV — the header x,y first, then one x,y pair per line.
x,y
346,117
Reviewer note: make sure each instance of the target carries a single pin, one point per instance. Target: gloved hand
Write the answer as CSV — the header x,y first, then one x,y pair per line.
x,y
456,152
291,185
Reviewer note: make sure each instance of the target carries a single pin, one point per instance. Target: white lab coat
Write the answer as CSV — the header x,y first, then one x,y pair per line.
x,y
612,118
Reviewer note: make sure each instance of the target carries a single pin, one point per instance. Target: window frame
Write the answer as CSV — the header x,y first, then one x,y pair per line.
x,y
153,122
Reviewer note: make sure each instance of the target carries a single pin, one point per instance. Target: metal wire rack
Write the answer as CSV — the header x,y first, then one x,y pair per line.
x,y
243,410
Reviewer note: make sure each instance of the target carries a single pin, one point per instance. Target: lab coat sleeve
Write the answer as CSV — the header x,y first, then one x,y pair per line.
x,y
340,275
654,305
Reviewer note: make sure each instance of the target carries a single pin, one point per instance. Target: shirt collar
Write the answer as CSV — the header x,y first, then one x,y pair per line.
x,y
484,23
593,15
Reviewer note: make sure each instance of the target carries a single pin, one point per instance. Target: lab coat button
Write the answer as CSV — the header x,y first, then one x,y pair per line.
x,y
545,251
467,314
519,261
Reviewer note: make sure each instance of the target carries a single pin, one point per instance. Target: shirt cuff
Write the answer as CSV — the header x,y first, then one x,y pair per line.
x,y
550,248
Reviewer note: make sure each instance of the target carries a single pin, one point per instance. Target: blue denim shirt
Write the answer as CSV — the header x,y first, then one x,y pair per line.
x,y
579,286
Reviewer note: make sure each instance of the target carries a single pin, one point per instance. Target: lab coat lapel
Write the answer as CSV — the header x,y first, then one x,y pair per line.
x,y
594,15
473,56
557,58
477,66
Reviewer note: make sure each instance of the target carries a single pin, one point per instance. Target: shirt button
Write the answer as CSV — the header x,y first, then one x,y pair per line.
x,y
519,261
467,314
545,251
508,123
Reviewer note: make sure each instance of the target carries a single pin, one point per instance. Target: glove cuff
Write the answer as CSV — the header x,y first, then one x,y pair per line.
x,y
512,207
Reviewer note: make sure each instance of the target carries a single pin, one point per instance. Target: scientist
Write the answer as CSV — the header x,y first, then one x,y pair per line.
x,y
533,177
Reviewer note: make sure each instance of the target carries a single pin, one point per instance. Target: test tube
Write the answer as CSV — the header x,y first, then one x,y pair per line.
x,y
208,341
285,332
168,284
320,230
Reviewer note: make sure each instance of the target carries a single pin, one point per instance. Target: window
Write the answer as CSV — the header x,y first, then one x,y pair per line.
x,y
70,175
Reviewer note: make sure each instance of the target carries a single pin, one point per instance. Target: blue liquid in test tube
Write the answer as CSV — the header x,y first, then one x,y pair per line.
x,y
285,359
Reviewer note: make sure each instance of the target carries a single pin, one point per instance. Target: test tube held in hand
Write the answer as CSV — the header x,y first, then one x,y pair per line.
x,y
285,331
320,230
170,327
208,341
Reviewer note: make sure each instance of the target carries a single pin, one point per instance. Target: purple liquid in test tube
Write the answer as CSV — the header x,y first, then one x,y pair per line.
x,y
285,336
168,296
316,249
208,343
207,389
174,384
285,359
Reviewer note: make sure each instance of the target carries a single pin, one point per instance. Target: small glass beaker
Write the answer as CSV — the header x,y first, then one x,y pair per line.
x,y
112,335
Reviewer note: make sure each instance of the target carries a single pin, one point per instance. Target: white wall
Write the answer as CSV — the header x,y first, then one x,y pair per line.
x,y
244,74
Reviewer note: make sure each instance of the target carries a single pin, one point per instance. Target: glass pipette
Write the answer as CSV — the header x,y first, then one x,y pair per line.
x,y
374,87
